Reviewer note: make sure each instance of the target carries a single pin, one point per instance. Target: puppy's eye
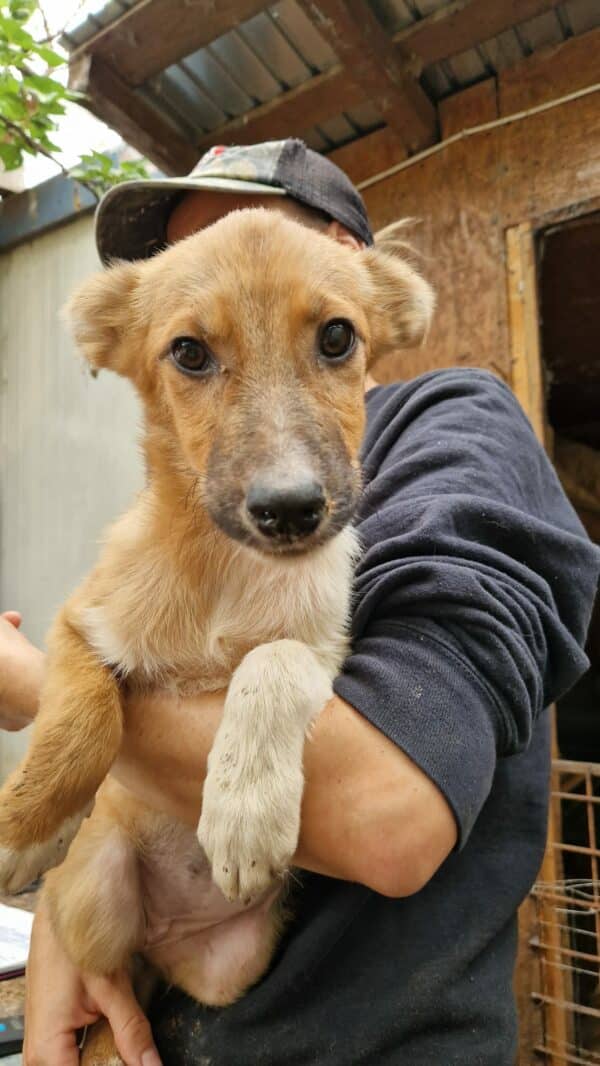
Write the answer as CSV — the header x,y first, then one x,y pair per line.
x,y
337,339
192,356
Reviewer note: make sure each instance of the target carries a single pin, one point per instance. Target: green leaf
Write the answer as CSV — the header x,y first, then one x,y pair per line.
x,y
134,169
41,124
22,10
32,103
48,144
52,58
13,32
54,107
12,107
8,83
42,83
11,156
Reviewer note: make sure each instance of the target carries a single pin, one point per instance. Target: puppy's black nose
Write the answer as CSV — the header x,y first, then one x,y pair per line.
x,y
287,512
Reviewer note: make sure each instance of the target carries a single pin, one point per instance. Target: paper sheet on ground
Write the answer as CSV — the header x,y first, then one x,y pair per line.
x,y
15,933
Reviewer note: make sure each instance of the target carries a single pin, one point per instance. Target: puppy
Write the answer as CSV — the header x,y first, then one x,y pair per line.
x,y
248,345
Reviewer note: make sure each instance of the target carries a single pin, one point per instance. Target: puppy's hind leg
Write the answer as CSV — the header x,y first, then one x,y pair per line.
x,y
95,906
99,1048
76,736
95,899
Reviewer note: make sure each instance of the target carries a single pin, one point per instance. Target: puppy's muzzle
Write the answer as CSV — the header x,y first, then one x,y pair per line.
x,y
286,513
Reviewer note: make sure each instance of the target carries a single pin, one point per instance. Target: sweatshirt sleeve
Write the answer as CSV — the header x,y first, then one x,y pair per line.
x,y
476,583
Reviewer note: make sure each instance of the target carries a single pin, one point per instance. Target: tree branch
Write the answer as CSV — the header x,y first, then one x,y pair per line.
x,y
51,37
37,148
45,21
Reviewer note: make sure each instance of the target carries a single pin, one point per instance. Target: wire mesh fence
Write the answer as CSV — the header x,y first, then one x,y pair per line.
x,y
564,930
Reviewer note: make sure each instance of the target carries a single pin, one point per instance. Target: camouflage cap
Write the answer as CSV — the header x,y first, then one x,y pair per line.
x,y
131,219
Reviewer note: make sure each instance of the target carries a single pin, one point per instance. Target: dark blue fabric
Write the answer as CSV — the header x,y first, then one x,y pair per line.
x,y
472,601
476,584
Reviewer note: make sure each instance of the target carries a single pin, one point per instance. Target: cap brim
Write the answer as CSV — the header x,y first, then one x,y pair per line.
x,y
131,218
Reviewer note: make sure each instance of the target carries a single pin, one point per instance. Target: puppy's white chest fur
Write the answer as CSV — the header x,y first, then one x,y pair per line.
x,y
168,632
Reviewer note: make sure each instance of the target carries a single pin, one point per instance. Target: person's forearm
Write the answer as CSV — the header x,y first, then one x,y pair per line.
x,y
21,674
369,814
24,690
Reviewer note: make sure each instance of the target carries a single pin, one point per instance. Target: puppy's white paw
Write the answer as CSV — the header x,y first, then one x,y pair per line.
x,y
250,833
18,867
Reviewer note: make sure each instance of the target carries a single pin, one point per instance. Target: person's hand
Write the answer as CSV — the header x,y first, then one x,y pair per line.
x,y
21,674
60,1000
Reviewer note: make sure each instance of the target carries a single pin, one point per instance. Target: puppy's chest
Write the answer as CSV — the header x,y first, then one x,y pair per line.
x,y
196,645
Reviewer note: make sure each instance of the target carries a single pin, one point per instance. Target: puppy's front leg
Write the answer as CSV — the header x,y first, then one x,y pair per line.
x,y
253,790
76,736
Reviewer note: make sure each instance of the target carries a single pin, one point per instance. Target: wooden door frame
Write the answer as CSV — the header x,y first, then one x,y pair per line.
x,y
527,382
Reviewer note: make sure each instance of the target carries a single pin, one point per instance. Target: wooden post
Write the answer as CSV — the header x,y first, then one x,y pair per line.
x,y
528,385
555,983
523,314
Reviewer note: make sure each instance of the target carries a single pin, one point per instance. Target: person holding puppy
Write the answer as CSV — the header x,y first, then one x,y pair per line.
x,y
427,773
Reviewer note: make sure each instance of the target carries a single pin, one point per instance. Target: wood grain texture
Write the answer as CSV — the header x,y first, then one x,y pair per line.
x,y
452,195
550,161
466,196
311,103
140,125
550,73
465,23
375,152
527,979
381,69
475,105
554,982
156,33
523,316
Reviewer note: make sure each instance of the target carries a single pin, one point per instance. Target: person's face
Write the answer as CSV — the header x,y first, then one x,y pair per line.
x,y
197,210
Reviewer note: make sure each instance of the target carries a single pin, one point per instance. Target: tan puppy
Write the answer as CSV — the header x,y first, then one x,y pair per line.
x,y
248,344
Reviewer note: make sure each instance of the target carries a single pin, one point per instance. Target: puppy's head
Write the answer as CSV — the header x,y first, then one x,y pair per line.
x,y
248,343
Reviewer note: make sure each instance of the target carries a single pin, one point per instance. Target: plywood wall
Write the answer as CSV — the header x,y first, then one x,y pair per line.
x,y
466,196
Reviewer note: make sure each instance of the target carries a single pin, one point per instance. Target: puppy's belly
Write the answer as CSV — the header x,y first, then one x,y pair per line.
x,y
199,941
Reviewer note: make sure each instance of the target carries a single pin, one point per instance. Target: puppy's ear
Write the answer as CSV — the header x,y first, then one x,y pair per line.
x,y
102,313
403,301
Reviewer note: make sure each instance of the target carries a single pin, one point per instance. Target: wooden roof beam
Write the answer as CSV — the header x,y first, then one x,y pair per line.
x,y
156,33
546,75
379,67
554,71
293,113
464,24
139,124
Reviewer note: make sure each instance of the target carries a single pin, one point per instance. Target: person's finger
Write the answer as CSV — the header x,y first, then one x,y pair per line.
x,y
59,1049
130,1027
14,617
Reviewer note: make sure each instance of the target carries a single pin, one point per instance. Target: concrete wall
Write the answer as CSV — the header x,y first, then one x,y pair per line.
x,y
68,456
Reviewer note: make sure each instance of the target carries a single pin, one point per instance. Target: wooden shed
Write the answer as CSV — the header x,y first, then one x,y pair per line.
x,y
480,119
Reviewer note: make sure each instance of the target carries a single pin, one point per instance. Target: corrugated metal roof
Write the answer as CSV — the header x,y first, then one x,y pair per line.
x,y
261,59
280,49
508,48
458,72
